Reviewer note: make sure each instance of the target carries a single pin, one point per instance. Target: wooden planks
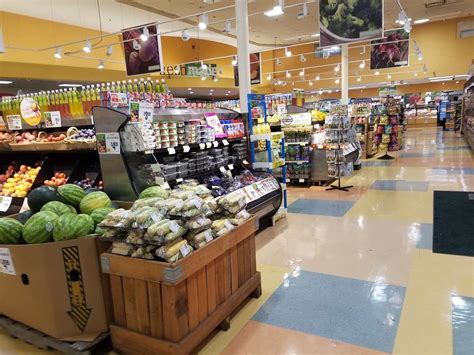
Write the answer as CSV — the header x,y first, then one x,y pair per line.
x,y
193,301
202,294
128,285
117,300
211,287
156,311
175,311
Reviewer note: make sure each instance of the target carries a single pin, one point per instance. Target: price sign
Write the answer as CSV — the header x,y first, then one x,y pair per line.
x,y
208,236
5,202
225,142
179,180
171,151
52,119
184,250
245,162
6,262
118,99
222,169
14,122
231,167
216,144
202,146
108,143
186,148
145,112
281,109
208,145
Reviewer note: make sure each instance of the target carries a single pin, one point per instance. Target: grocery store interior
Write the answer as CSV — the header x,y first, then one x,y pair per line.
x,y
237,177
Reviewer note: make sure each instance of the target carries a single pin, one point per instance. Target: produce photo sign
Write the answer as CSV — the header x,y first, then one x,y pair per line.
x,y
142,57
348,21
391,51
255,70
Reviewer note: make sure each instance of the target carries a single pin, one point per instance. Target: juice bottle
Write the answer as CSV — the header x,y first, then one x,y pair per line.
x,y
135,87
112,87
70,103
123,87
141,87
77,103
149,85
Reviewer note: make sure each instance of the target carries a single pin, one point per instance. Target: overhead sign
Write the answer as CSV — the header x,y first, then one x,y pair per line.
x,y
297,119
348,21
196,69
255,70
391,51
142,57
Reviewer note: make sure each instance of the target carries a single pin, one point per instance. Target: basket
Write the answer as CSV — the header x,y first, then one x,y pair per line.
x,y
79,144
23,147
42,146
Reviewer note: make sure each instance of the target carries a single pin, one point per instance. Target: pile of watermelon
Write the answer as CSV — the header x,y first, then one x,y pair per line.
x,y
56,214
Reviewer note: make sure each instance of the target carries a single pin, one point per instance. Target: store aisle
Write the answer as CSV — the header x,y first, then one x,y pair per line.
x,y
354,272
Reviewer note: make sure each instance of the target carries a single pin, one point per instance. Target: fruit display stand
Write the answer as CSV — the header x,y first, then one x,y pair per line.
x,y
170,308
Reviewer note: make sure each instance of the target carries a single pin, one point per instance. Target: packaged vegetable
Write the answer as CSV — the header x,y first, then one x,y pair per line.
x,y
122,249
190,208
167,205
149,201
198,223
181,194
200,239
145,216
165,231
113,234
136,237
174,251
145,252
233,202
117,218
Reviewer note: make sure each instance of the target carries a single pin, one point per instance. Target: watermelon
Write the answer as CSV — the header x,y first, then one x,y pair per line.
x,y
23,217
72,194
39,228
93,201
10,231
40,196
71,226
72,209
99,214
154,191
58,207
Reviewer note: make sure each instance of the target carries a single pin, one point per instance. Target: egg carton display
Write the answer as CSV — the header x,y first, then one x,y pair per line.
x,y
169,225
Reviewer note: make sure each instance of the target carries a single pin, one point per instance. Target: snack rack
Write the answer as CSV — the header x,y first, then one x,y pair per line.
x,y
257,113
336,126
360,113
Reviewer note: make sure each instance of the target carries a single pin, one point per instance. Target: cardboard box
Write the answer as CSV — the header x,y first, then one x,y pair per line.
x,y
57,288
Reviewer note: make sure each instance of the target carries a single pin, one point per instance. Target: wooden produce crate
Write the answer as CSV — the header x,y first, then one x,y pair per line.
x,y
164,308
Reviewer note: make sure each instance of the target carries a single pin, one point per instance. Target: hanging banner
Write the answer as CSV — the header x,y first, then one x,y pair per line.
x,y
348,21
196,70
391,51
142,57
255,70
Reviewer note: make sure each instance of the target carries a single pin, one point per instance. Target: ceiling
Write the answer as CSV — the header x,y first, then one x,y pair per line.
x,y
264,31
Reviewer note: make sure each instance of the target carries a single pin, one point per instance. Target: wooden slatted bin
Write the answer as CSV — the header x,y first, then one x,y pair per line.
x,y
170,308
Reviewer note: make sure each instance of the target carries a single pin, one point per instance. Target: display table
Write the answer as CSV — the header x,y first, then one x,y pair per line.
x,y
170,308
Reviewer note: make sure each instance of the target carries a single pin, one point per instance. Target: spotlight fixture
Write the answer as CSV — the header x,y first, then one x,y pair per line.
x,y
337,68
109,51
337,81
329,91
287,52
317,77
420,57
304,12
277,10
415,74
145,34
216,79
87,47
389,76
191,92
302,57
457,81
288,74
234,60
203,22
190,89
377,72
57,53
101,64
359,78
424,69
310,83
320,92
269,77
203,77
185,36
362,64
279,82
279,62
302,72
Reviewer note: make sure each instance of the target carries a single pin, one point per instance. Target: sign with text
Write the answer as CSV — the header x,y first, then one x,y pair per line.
x,y
52,119
255,70
108,143
196,70
14,122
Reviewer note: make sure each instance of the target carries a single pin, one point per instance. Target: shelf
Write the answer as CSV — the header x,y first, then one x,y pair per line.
x,y
65,123
192,147
297,143
297,162
266,136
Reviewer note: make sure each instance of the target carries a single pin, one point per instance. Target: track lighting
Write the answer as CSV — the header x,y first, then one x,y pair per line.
x,y
203,77
420,57
317,77
101,64
303,13
145,34
185,36
287,52
320,92
269,77
310,83
288,74
302,72
234,60
109,51
227,27
337,81
362,64
87,47
302,58
216,79
424,69
58,54
359,78
279,62
415,74
337,68
277,10
203,65
203,22
279,82
389,76
377,72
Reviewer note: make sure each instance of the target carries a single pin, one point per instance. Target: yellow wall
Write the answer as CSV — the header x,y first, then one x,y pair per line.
x,y
444,54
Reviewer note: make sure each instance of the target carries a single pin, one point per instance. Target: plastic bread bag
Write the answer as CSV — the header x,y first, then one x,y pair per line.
x,y
122,249
143,202
233,202
174,251
145,252
136,237
198,223
117,218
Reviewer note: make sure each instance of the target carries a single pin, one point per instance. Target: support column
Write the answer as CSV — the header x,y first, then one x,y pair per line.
x,y
242,31
345,74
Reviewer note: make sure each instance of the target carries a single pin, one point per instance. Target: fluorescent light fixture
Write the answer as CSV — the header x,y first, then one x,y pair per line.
x,y
144,36
358,87
441,78
6,82
423,20
277,10
101,64
234,61
461,76
288,74
66,85
57,53
315,35
203,22
317,77
377,72
335,48
87,47
287,52
362,64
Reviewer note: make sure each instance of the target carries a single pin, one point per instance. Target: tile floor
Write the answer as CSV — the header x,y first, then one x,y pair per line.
x,y
353,272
